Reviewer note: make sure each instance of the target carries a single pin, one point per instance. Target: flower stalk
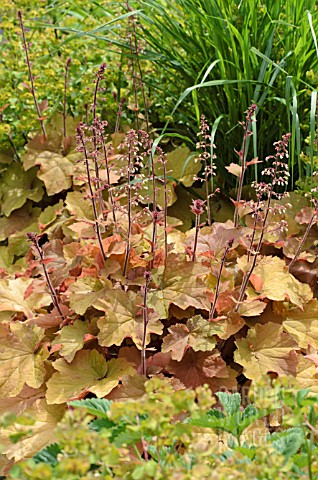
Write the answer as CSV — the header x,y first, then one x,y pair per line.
x,y
197,209
147,276
242,157
217,288
279,175
82,148
26,50
34,239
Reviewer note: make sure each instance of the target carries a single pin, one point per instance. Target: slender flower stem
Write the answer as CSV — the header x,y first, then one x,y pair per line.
x,y
80,136
26,50
248,274
95,126
249,252
129,211
147,276
197,209
33,238
119,114
133,45
301,244
242,156
67,66
217,288
165,208
196,235
110,193
279,176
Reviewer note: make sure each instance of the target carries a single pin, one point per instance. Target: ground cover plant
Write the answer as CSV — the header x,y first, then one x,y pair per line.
x,y
114,268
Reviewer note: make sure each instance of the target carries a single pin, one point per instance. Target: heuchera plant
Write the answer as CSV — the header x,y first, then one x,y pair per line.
x,y
112,293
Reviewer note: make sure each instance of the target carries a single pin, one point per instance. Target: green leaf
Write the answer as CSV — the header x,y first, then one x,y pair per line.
x,y
231,402
17,186
48,455
95,406
288,442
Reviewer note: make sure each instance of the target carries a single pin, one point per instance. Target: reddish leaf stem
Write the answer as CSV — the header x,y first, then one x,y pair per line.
x,y
197,209
301,244
80,136
33,238
242,156
217,288
147,276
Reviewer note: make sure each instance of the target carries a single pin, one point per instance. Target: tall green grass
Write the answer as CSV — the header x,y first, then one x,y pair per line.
x,y
220,56
257,51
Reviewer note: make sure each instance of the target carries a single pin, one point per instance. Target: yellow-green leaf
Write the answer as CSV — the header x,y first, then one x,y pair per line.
x,y
124,318
21,358
84,292
71,338
55,171
272,280
17,186
40,433
89,372
12,296
302,324
266,349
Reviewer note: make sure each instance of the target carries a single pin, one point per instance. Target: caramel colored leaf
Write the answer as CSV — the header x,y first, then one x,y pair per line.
x,y
266,349
124,318
45,418
21,358
198,333
71,337
302,324
89,372
132,386
198,368
21,402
